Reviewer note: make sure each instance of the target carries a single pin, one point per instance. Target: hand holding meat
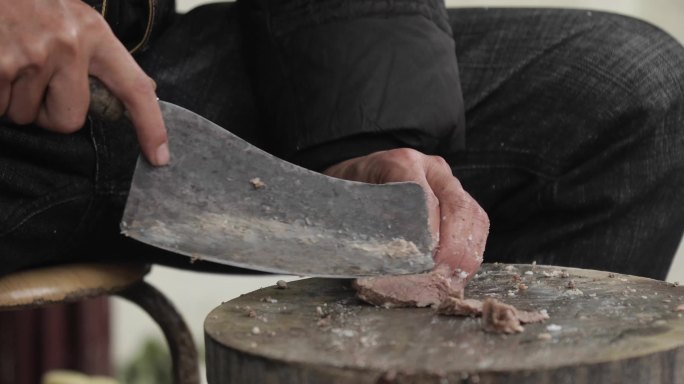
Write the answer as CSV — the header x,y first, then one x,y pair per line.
x,y
458,224
49,47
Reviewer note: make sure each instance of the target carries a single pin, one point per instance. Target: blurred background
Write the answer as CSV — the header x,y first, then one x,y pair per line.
x,y
136,337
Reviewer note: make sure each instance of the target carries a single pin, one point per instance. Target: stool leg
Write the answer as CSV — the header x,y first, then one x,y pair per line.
x,y
178,336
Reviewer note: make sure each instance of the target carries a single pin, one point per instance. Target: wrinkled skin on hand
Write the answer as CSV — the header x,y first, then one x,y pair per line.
x,y
458,224
49,47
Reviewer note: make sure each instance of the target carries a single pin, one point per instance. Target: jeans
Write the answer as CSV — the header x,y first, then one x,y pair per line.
x,y
574,141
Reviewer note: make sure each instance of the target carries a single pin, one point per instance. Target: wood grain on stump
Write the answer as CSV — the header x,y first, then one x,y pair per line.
x,y
609,328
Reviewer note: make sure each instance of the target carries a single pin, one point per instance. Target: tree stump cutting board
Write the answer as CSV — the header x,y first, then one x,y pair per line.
x,y
603,328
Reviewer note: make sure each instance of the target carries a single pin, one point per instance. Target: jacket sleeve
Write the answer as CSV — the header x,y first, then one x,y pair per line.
x,y
337,79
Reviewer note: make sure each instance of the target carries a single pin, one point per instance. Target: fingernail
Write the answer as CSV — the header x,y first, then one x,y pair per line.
x,y
162,156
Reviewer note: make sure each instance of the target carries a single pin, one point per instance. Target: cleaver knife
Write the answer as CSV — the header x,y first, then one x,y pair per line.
x,y
224,200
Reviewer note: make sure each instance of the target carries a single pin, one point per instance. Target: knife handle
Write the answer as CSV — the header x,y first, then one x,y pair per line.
x,y
103,104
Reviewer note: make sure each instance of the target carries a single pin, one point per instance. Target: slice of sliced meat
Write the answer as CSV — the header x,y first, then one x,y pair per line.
x,y
444,291
420,290
454,306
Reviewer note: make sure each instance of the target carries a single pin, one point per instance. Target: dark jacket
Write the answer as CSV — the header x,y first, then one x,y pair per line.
x,y
336,79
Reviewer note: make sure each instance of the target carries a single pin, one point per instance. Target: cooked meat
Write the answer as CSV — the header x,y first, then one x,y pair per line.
x,y
441,289
453,306
420,290
498,317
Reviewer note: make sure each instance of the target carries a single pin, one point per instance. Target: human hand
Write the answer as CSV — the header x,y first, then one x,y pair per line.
x,y
458,224
49,47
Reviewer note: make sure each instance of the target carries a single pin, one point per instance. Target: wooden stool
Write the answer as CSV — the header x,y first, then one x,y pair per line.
x,y
70,283
603,328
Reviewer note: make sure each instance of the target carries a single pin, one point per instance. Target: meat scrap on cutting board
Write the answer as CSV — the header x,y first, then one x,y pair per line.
x,y
445,292
497,317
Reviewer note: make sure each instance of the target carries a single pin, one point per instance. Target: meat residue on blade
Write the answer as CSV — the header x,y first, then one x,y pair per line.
x,y
440,289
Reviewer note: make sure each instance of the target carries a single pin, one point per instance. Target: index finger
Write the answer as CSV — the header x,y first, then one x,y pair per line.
x,y
117,69
464,225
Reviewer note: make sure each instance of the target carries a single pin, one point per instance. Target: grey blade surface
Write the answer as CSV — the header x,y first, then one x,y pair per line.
x,y
205,205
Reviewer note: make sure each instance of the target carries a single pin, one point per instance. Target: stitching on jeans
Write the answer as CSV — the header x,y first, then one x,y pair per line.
x,y
59,201
98,150
148,29
39,211
104,9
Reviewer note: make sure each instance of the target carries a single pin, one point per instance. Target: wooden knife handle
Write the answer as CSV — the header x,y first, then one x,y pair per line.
x,y
103,104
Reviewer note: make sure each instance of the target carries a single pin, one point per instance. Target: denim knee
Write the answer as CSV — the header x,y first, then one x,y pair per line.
x,y
626,80
648,62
